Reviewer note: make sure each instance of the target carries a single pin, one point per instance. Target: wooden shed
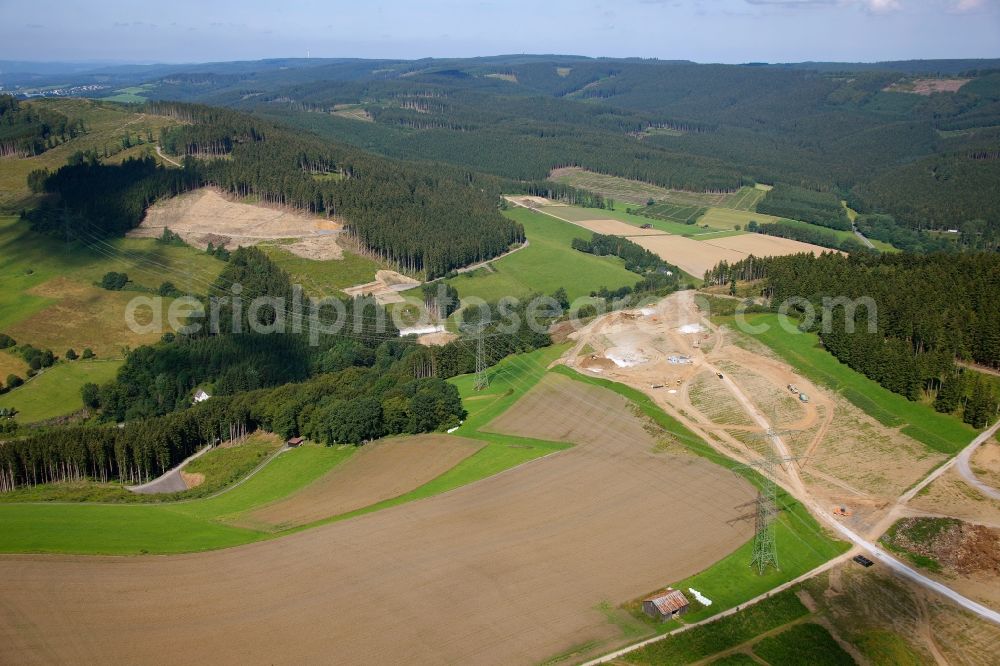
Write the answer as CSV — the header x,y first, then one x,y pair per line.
x,y
295,441
666,606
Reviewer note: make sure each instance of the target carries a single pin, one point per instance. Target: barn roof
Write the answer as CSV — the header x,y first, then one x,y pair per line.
x,y
669,601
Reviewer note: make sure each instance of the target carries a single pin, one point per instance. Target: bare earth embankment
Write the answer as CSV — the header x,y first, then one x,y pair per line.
x,y
206,216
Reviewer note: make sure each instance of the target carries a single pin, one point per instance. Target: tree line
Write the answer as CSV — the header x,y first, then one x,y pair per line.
x,y
349,407
419,219
930,310
814,235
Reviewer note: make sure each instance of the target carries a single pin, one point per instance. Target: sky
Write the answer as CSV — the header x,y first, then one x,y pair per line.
x,y
730,31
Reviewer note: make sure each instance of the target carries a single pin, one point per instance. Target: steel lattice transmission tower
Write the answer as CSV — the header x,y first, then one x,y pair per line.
x,y
765,552
482,381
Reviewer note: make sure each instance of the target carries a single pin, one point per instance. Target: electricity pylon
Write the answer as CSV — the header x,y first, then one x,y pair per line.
x,y
765,553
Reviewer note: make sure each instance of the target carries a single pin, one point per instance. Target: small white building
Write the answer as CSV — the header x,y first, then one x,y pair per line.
x,y
200,396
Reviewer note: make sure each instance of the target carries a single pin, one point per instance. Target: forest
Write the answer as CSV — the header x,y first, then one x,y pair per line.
x,y
819,208
423,221
931,310
349,387
26,131
348,407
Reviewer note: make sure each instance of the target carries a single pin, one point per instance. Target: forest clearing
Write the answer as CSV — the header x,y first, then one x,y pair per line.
x,y
206,216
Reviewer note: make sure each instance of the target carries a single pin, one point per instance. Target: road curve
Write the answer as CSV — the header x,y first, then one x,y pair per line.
x,y
170,481
859,542
962,460
965,469
799,491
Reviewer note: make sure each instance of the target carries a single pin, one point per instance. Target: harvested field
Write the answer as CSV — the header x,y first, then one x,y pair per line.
x,y
594,219
11,365
534,202
697,256
632,191
438,339
927,87
378,471
511,569
205,216
352,111
691,256
765,246
616,228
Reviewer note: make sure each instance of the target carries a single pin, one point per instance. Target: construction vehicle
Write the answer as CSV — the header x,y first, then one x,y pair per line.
x,y
842,511
803,397
719,374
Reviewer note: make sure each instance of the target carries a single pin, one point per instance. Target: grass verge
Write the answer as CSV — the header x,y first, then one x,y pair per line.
x,y
802,544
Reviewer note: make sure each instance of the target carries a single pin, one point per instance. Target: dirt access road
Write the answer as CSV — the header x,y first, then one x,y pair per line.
x,y
636,348
513,569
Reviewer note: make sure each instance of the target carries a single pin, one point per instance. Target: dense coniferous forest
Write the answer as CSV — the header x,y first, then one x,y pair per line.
x,y
422,220
26,131
851,131
820,208
931,310
680,125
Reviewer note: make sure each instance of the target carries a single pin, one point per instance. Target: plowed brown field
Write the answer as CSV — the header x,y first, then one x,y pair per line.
x,y
509,570
377,472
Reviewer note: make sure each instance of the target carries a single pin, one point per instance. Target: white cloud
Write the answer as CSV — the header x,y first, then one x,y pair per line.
x,y
963,6
872,6
882,6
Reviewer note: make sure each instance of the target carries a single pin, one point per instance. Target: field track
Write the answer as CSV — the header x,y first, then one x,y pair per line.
x,y
509,570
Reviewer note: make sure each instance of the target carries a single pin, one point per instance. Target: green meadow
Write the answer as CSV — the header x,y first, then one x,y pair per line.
x,y
55,391
545,265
